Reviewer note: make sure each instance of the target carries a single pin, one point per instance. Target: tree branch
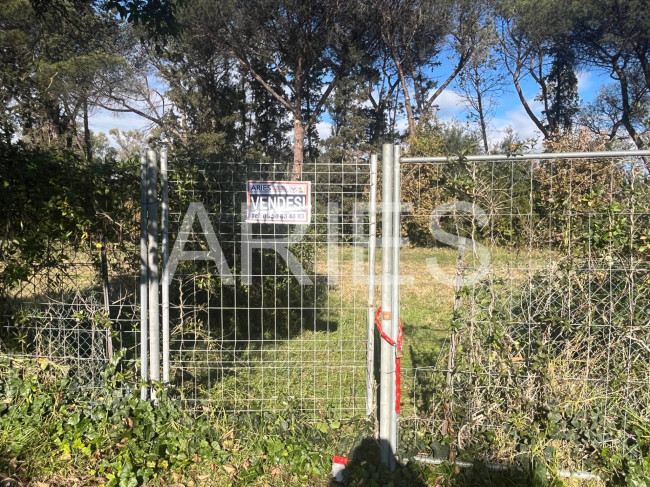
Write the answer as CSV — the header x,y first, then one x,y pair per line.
x,y
268,87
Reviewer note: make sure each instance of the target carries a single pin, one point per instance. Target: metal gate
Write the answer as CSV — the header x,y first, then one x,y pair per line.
x,y
261,316
525,308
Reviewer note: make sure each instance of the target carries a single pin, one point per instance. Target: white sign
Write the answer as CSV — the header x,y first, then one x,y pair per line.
x,y
278,201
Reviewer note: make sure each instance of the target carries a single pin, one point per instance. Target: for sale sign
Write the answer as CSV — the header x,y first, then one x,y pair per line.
x,y
278,201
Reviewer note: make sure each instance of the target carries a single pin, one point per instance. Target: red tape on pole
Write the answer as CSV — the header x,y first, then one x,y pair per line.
x,y
398,359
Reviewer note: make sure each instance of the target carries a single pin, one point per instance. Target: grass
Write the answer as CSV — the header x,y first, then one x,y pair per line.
x,y
320,371
324,368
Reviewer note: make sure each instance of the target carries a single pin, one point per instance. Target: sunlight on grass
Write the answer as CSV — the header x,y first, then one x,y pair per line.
x,y
323,368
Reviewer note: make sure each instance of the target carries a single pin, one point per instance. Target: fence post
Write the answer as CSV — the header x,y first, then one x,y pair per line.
x,y
152,261
144,278
370,333
387,367
395,288
165,258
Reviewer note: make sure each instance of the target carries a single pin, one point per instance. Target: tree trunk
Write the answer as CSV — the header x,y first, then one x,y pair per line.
x,y
645,64
298,148
481,117
524,103
87,141
407,97
407,100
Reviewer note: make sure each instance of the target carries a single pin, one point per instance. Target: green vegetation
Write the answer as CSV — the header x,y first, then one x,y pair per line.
x,y
541,365
53,431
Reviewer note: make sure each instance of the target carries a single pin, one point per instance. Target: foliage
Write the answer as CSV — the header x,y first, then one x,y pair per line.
x,y
548,360
70,435
56,63
111,437
54,203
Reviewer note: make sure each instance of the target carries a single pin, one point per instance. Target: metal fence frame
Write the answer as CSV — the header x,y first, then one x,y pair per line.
x,y
357,216
156,302
392,165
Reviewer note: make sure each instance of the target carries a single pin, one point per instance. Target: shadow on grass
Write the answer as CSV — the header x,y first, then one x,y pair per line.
x,y
365,469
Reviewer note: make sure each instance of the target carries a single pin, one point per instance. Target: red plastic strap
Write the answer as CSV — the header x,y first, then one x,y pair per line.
x,y
398,360
380,329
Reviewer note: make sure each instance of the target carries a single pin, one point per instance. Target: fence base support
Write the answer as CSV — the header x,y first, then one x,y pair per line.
x,y
567,474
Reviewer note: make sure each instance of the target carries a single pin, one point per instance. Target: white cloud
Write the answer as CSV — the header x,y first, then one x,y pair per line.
x,y
585,83
450,104
324,130
518,120
104,120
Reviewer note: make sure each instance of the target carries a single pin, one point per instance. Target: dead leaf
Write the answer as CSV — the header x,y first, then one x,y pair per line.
x,y
176,476
439,481
230,470
444,427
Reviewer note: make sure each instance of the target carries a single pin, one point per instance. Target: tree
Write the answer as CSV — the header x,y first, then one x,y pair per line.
x,y
604,116
132,143
298,51
353,122
614,35
481,81
561,100
414,34
542,54
53,58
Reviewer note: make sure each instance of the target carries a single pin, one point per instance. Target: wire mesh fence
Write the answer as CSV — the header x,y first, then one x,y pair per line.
x,y
77,313
524,302
269,315
275,314
539,325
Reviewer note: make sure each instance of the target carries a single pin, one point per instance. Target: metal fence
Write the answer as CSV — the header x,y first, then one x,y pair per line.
x,y
77,313
522,296
252,316
264,315
537,272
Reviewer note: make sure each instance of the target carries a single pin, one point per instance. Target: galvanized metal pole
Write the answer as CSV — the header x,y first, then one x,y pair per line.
x,y
152,261
387,366
165,259
395,286
507,158
144,279
370,332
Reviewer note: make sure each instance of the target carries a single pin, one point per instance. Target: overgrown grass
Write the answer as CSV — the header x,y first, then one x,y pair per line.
x,y
301,400
53,432
324,369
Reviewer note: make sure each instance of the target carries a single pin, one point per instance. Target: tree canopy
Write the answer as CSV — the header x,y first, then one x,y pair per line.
x,y
264,78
